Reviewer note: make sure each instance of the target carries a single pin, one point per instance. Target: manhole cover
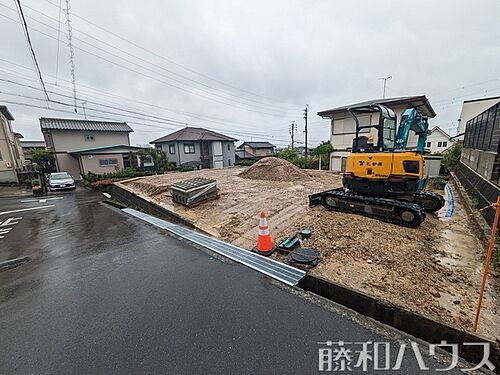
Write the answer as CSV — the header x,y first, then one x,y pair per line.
x,y
304,255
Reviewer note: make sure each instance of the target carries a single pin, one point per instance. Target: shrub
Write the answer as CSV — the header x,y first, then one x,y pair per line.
x,y
43,160
289,154
184,168
124,173
245,162
451,158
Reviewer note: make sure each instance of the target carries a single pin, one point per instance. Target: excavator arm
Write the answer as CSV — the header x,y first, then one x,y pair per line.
x,y
415,121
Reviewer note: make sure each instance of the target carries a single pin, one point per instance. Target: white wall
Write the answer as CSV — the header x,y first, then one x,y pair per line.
x,y
472,109
71,140
8,163
437,142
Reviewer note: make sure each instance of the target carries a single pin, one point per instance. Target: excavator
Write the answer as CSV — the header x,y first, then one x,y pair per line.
x,y
383,177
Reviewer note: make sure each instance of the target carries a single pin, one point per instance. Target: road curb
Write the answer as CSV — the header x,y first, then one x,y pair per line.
x,y
13,263
407,321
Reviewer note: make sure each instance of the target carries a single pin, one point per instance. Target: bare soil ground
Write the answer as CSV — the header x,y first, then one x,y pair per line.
x,y
434,269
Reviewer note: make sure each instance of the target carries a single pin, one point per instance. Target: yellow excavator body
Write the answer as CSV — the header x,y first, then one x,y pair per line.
x,y
382,165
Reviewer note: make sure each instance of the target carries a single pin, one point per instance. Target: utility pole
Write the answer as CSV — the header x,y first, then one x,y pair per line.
x,y
385,84
306,110
293,128
83,106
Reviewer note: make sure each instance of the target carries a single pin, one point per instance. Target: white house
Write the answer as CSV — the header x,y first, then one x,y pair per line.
x,y
11,154
438,140
471,108
343,127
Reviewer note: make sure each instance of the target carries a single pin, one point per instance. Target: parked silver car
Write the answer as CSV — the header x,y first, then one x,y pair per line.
x,y
61,180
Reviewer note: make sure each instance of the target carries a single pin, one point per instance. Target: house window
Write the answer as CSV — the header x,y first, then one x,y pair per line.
x,y
228,147
428,144
1,156
445,144
108,162
89,138
189,148
171,149
440,144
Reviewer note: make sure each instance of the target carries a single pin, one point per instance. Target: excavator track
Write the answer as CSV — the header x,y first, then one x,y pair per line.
x,y
429,201
389,210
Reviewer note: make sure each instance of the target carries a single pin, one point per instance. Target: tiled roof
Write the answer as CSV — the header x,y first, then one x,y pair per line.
x,y
419,102
89,125
262,144
33,144
193,134
96,150
5,111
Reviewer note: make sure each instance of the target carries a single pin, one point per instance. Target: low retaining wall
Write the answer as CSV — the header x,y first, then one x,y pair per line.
x,y
127,197
407,321
480,188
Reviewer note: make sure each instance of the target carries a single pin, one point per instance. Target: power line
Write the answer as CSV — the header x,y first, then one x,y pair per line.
x,y
262,105
30,45
237,133
150,76
162,57
144,116
121,104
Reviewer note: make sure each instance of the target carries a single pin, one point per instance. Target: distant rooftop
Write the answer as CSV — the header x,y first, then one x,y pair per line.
x,y
419,102
88,125
481,99
104,149
258,144
194,134
5,111
32,144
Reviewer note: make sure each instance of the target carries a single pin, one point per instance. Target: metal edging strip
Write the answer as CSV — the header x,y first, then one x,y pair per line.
x,y
270,267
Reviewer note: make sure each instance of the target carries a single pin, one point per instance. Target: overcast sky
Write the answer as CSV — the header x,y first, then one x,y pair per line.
x,y
247,68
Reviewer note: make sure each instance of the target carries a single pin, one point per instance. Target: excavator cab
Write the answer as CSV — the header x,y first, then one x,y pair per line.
x,y
374,168
385,128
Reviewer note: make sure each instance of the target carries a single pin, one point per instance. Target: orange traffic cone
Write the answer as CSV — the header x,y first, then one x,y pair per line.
x,y
264,242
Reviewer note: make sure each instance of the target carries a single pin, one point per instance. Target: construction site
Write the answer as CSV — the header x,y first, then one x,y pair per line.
x,y
433,269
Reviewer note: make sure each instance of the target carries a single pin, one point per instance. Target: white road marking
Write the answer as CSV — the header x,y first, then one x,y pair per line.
x,y
106,195
4,231
43,200
26,209
10,221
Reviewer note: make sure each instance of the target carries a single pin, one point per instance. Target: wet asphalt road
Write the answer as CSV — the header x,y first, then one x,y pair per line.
x,y
107,293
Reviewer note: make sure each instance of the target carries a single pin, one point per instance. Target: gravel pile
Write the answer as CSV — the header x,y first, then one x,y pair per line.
x,y
274,169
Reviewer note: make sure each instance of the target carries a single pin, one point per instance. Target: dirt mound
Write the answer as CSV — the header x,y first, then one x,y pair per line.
x,y
274,169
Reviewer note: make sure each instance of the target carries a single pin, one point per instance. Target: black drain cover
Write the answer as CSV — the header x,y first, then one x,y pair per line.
x,y
304,255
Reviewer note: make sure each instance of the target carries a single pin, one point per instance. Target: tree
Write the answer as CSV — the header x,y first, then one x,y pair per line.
x,y
43,160
156,156
325,148
288,154
451,157
323,151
